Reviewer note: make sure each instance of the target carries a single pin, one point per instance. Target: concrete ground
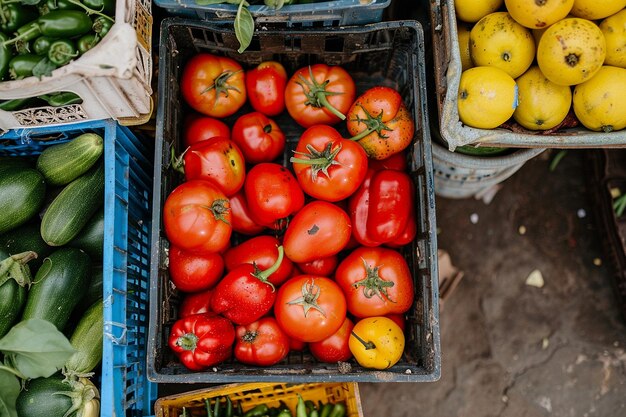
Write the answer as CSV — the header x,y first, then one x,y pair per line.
x,y
514,350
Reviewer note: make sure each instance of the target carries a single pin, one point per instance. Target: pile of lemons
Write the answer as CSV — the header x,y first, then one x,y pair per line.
x,y
535,59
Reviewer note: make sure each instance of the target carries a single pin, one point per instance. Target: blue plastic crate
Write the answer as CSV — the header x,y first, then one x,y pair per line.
x,y
124,390
327,13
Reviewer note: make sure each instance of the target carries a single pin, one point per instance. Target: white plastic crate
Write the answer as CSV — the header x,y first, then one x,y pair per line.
x,y
113,78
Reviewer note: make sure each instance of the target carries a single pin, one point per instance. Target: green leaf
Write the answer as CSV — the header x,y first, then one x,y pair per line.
x,y
207,2
29,3
9,390
275,4
36,348
244,27
44,68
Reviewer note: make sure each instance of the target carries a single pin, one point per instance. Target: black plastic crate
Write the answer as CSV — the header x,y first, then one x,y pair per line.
x,y
390,53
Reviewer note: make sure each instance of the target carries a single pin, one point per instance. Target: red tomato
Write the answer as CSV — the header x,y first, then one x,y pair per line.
x,y
198,128
261,251
218,160
272,193
323,267
242,222
196,217
327,166
310,308
296,345
195,303
259,138
397,162
265,85
334,348
320,229
381,123
262,343
192,272
213,85
376,282
319,95
398,319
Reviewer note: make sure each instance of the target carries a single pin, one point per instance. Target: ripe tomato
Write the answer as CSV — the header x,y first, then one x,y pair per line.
x,y
376,282
218,160
381,123
377,342
323,267
327,166
195,303
262,343
397,162
213,85
310,308
198,128
196,217
296,345
192,272
259,138
319,94
265,86
272,193
334,348
319,230
242,222
399,319
261,251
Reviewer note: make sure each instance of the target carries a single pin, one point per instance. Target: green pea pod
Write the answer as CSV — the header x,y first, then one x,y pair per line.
x,y
105,6
14,16
61,5
339,410
62,98
15,104
21,66
258,411
62,51
41,45
86,42
101,26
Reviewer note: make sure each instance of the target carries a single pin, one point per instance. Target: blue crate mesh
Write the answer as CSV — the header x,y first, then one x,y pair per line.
x,y
125,390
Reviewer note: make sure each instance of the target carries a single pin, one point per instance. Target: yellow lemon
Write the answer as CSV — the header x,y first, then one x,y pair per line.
x,y
499,41
463,31
487,97
614,30
596,9
539,13
473,10
542,104
599,103
571,51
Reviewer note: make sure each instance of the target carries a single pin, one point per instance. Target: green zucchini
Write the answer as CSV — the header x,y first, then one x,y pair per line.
x,y
87,340
56,397
26,238
91,237
14,278
58,286
94,291
70,211
23,191
11,162
63,163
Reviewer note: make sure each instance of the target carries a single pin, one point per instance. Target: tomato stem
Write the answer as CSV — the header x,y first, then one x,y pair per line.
x,y
264,275
178,163
316,94
219,208
220,84
319,160
372,124
188,341
373,284
310,294
368,345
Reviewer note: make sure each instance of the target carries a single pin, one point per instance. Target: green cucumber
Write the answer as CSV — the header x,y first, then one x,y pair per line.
x,y
87,340
23,191
58,286
26,238
56,397
14,278
70,211
63,163
91,237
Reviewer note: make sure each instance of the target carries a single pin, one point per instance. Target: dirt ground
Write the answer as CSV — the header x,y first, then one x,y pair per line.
x,y
509,348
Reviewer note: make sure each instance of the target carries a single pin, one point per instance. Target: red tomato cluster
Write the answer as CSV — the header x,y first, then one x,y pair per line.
x,y
274,258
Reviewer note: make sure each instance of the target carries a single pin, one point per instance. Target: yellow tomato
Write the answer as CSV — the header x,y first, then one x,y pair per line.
x,y
594,9
599,103
571,51
463,31
538,14
473,10
499,41
376,342
614,30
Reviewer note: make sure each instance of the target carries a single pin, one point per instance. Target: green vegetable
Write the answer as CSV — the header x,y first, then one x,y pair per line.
x,y
87,42
58,286
216,407
70,211
106,6
22,66
14,278
94,290
5,56
63,163
61,5
91,238
62,51
339,410
301,407
258,411
41,45
23,192
15,104
207,404
101,26
326,409
87,340
61,98
13,16
10,388
56,24
23,239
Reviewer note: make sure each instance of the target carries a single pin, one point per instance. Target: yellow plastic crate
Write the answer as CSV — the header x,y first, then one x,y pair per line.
x,y
251,395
